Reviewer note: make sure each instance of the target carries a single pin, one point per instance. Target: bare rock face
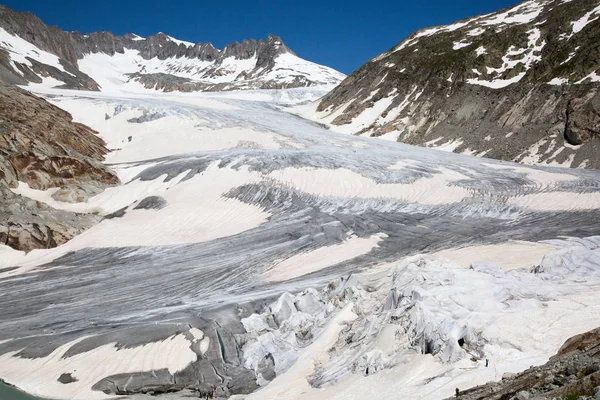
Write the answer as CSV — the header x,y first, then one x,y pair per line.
x,y
171,83
78,193
26,224
29,27
520,84
573,373
41,146
583,119
48,38
580,343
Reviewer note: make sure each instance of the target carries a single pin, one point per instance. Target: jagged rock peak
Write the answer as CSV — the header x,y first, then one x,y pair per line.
x,y
72,46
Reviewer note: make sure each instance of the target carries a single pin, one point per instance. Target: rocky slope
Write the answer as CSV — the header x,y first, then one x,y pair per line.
x,y
520,84
41,146
31,51
573,373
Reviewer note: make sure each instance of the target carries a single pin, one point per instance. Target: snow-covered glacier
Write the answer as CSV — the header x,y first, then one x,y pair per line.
x,y
250,250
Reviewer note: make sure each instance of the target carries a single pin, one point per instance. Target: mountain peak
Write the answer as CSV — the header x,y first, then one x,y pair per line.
x,y
133,36
274,38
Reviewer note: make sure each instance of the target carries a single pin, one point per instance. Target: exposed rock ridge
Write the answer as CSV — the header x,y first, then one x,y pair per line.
x,y
171,83
163,47
71,46
29,27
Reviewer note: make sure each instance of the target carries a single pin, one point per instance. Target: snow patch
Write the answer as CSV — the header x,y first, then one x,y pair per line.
x,y
315,260
582,22
344,183
183,42
460,45
558,81
521,14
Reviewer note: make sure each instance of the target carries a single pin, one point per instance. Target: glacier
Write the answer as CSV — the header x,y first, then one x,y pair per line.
x,y
250,250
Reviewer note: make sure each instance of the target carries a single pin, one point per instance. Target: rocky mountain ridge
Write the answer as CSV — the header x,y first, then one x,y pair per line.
x,y
520,84
158,61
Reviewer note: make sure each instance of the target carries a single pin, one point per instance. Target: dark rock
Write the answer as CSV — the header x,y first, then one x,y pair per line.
x,y
151,203
590,369
66,378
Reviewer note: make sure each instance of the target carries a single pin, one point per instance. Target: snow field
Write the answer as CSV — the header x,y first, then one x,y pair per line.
x,y
348,184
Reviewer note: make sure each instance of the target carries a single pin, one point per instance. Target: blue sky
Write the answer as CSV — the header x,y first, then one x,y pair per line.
x,y
340,34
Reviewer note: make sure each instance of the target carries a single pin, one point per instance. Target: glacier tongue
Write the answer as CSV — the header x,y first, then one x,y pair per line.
x,y
424,306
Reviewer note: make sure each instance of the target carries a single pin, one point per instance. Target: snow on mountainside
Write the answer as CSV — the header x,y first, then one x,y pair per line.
x,y
32,52
183,74
520,84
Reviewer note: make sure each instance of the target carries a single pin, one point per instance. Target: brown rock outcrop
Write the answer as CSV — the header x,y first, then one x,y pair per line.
x,y
42,146
27,224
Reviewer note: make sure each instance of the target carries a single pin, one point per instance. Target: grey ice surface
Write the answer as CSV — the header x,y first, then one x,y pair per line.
x,y
136,295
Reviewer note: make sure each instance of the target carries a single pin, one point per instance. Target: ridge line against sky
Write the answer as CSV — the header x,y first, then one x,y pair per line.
x,y
339,34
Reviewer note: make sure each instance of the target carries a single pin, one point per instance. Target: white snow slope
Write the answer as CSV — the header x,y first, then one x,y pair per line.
x,y
110,71
250,203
